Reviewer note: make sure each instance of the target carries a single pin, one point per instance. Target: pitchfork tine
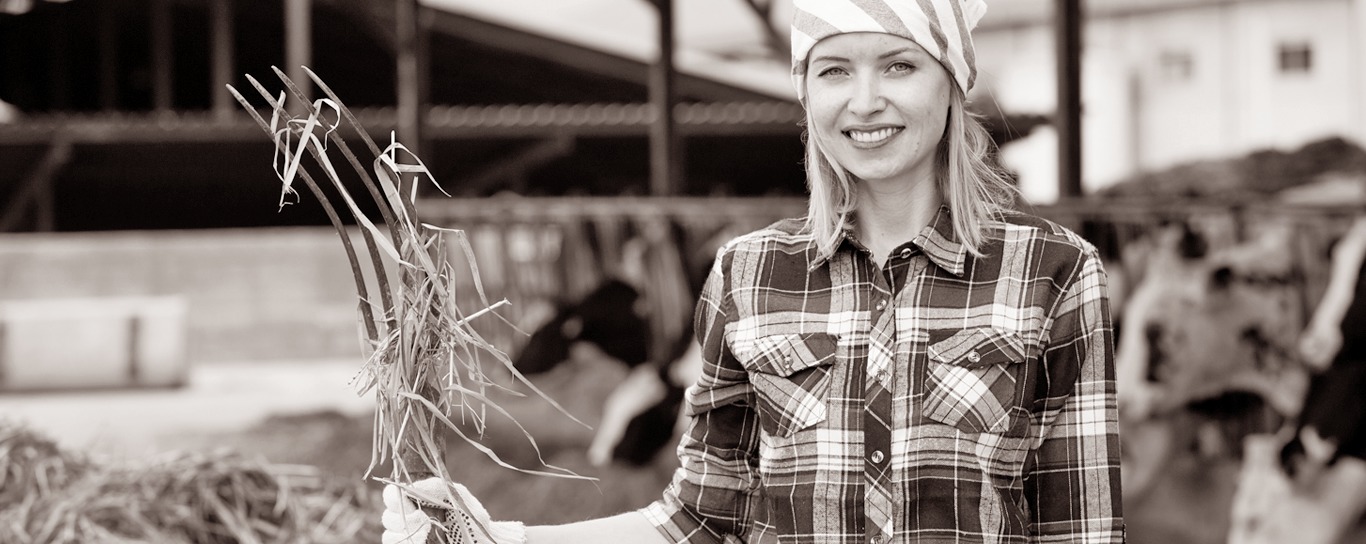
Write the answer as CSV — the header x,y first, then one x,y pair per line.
x,y
346,151
376,261
408,206
366,314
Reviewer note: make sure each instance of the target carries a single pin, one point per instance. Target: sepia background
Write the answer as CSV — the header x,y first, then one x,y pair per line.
x,y
169,314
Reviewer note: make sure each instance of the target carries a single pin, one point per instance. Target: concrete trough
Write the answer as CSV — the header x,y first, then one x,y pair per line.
x,y
92,343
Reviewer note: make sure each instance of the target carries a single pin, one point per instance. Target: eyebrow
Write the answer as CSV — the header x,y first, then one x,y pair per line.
x,y
895,52
884,56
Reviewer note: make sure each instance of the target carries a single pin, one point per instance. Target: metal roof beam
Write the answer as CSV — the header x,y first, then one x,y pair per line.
x,y
441,122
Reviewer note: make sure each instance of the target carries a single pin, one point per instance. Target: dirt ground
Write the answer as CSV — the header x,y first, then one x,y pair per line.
x,y
1188,505
339,444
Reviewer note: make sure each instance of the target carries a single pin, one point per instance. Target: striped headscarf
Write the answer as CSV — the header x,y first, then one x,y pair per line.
x,y
942,27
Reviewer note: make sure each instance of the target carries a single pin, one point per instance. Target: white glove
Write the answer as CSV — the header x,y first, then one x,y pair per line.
x,y
405,522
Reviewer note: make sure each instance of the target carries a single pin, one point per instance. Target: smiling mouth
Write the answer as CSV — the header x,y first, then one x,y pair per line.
x,y
872,136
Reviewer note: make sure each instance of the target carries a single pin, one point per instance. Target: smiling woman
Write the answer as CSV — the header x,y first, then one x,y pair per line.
x,y
910,362
880,105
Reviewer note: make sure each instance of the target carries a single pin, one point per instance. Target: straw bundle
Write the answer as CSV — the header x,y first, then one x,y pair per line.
x,y
186,498
424,363
32,466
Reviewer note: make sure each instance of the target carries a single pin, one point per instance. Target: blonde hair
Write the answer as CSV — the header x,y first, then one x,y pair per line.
x,y
976,191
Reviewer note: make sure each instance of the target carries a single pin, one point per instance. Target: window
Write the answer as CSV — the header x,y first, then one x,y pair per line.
x,y
1296,58
1176,66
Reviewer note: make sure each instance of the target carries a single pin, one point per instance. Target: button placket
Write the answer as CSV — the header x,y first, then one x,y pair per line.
x,y
880,518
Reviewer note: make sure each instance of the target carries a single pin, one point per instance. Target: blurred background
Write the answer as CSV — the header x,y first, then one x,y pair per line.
x,y
161,300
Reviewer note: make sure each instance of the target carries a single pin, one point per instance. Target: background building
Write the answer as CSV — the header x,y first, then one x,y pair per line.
x,y
1171,81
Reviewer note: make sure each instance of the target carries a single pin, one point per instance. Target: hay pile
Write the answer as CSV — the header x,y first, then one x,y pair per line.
x,y
48,495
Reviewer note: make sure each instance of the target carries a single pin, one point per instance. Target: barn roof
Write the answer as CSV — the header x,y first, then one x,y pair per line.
x,y
723,40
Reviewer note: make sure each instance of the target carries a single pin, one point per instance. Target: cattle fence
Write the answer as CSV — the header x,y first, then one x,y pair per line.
x,y
536,251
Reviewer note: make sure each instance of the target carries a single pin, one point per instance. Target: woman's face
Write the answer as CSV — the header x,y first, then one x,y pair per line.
x,y
880,104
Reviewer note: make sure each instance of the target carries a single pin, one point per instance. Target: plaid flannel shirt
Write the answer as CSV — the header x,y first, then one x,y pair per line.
x,y
1001,426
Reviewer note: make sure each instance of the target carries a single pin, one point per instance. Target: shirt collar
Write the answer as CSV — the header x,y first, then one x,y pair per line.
x,y
938,240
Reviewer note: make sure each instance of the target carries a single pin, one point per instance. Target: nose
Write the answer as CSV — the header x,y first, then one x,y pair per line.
x,y
867,97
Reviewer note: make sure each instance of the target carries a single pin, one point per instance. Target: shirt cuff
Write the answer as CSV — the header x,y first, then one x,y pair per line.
x,y
667,520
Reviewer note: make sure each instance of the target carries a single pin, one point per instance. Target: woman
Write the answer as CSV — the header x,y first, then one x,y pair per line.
x,y
910,362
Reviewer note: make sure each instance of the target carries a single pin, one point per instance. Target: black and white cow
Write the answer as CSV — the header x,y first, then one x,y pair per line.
x,y
641,319
1205,357
608,317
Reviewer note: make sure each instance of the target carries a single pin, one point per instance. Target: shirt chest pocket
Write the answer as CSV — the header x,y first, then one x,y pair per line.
x,y
972,380
791,378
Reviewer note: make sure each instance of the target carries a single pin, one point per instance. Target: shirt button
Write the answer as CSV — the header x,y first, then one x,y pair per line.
x,y
787,363
882,376
875,540
877,457
973,356
906,253
881,304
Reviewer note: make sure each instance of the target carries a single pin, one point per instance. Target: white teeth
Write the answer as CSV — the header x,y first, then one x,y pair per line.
x,y
874,136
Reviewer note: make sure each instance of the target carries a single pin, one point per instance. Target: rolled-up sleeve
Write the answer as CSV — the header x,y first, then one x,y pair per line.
x,y
712,495
1074,483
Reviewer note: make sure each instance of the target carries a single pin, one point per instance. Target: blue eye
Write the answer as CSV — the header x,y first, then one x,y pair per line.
x,y
832,71
901,66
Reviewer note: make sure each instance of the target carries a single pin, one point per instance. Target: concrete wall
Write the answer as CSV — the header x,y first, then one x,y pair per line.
x,y
250,294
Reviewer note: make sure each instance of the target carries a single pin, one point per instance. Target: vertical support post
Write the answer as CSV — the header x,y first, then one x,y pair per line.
x,y
665,170
412,73
109,56
10,64
134,368
45,208
299,43
221,31
163,58
58,50
1067,119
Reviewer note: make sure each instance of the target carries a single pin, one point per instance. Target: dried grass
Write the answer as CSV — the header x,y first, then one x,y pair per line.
x,y
426,363
33,466
51,496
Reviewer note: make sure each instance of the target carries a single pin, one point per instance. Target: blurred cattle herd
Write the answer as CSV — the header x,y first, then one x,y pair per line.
x,y
1208,303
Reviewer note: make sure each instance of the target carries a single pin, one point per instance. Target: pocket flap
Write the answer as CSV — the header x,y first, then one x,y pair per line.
x,y
787,354
979,347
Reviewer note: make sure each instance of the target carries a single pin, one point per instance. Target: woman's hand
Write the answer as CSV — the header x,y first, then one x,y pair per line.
x,y
466,521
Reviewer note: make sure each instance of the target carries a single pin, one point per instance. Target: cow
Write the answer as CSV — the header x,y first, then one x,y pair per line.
x,y
1206,349
642,414
1312,492
610,317
639,317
